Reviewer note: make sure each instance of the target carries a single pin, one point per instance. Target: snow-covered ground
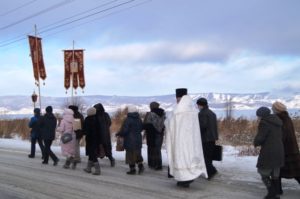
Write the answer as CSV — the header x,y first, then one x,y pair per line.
x,y
237,178
230,153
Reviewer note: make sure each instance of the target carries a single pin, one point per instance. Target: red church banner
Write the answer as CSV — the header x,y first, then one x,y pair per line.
x,y
74,69
36,53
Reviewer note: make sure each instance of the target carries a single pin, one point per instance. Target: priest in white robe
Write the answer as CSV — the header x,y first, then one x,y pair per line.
x,y
183,140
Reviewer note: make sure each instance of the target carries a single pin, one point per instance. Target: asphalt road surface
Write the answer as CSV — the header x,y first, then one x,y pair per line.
x,y
22,178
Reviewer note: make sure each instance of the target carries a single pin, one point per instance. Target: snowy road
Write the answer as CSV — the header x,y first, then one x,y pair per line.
x,y
22,178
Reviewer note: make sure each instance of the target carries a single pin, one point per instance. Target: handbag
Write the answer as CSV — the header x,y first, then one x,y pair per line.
x,y
66,138
120,144
218,153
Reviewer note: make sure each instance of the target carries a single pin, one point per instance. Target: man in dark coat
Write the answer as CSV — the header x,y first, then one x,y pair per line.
x,y
291,167
48,125
104,123
209,134
78,132
271,157
154,126
35,134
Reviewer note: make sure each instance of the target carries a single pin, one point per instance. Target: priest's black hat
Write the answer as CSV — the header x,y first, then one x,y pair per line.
x,y
181,92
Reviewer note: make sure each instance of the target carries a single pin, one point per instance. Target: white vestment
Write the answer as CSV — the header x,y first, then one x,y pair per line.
x,y
183,140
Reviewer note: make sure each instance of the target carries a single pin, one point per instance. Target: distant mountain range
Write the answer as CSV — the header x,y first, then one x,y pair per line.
x,y
217,101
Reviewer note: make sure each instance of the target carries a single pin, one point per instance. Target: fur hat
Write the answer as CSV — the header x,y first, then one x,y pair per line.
x,y
49,109
202,101
180,92
132,109
91,111
154,105
278,107
263,112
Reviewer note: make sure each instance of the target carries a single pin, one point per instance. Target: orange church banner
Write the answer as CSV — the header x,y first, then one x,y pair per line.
x,y
36,54
74,69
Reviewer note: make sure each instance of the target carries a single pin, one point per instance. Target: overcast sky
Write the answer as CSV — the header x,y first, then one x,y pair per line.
x,y
150,49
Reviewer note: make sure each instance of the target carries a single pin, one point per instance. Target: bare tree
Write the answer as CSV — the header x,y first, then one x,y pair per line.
x,y
228,108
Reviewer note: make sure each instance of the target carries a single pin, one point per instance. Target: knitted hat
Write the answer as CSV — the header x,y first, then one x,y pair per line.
x,y
263,112
180,92
202,101
278,107
132,109
91,111
49,109
37,111
154,105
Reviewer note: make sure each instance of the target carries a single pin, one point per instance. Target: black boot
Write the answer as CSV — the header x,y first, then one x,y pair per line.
x,y
132,170
169,175
31,156
276,184
279,187
298,179
141,168
270,185
112,162
184,184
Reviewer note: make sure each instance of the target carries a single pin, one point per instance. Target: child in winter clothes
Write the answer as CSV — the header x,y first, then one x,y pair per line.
x,y
68,149
93,141
131,132
271,157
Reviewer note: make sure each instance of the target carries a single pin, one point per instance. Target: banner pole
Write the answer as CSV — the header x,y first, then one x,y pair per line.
x,y
73,61
38,68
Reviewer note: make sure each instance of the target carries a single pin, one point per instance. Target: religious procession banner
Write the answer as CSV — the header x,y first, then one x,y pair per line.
x,y
74,69
36,54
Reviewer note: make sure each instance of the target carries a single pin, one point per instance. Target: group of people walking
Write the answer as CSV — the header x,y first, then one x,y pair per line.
x,y
72,127
190,137
279,154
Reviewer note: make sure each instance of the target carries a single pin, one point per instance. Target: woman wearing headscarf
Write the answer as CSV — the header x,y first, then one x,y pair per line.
x,y
154,126
271,155
104,123
291,167
93,140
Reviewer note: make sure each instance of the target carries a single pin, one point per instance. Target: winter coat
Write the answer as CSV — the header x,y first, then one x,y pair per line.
x,y
269,137
291,167
48,124
66,126
154,126
35,127
92,134
208,125
131,131
104,123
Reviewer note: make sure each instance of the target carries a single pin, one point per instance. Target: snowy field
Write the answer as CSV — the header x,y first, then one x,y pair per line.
x,y
237,178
